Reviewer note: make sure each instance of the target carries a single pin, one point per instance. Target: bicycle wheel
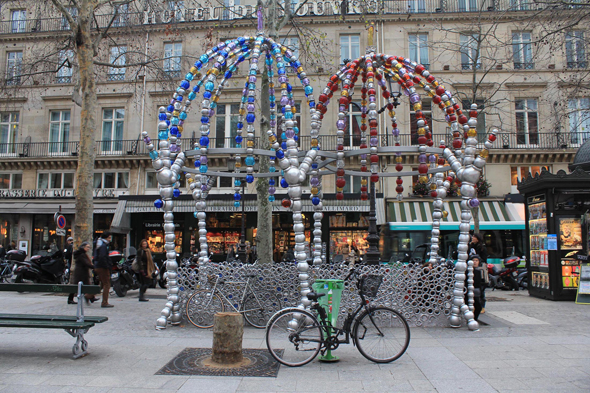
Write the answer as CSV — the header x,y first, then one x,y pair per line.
x,y
381,334
293,337
258,310
202,306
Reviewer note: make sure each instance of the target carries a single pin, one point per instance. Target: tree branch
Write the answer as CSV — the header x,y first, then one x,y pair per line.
x,y
73,24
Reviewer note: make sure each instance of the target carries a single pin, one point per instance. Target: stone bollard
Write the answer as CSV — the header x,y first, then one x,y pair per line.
x,y
228,331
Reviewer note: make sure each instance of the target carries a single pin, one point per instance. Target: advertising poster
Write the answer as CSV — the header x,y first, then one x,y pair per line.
x,y
570,233
540,280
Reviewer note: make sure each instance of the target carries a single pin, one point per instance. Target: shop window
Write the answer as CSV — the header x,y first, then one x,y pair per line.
x,y
427,112
44,237
11,181
116,180
53,180
8,132
519,173
9,230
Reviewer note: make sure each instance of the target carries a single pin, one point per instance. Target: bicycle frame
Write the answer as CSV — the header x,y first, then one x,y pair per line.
x,y
217,289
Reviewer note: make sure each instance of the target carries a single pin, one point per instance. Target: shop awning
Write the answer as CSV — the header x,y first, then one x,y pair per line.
x,y
39,207
188,206
121,219
411,215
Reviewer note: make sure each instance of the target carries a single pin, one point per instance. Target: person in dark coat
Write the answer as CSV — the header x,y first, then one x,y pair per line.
x,y
146,268
81,272
103,266
477,285
68,255
2,251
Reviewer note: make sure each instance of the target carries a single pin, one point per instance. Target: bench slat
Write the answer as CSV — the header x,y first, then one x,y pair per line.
x,y
54,288
94,319
23,323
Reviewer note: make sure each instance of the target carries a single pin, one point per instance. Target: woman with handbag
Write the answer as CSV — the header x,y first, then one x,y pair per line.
x,y
145,263
82,268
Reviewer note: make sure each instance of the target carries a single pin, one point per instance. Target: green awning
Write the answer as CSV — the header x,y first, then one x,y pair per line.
x,y
417,215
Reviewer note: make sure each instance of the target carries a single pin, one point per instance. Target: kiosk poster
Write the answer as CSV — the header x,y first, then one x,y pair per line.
x,y
570,273
583,295
570,233
540,280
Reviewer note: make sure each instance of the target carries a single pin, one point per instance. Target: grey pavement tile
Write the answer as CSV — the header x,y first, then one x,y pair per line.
x,y
422,385
139,390
530,363
266,384
212,385
68,380
461,385
307,385
502,383
354,375
427,353
83,389
435,369
565,339
30,389
561,372
424,342
486,363
548,383
572,362
377,385
508,372
28,379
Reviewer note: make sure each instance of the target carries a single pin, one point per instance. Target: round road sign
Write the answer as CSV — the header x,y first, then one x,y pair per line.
x,y
60,222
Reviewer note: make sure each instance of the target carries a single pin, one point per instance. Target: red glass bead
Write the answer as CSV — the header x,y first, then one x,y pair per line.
x,y
452,118
385,94
492,137
343,100
430,79
372,92
472,113
399,167
374,131
334,78
363,188
339,196
421,140
340,147
334,87
323,98
374,178
286,202
436,99
363,146
441,161
433,194
340,172
423,168
462,119
363,168
340,182
419,69
429,143
364,196
457,144
374,158
399,189
399,181
440,90
457,107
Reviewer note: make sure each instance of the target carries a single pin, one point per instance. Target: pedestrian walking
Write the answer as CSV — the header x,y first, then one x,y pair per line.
x,y
103,266
146,269
68,255
478,247
83,266
477,285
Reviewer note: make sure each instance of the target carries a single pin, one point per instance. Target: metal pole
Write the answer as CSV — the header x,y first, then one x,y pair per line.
x,y
242,245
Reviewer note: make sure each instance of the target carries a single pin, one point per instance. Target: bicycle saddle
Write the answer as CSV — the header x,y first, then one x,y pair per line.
x,y
315,296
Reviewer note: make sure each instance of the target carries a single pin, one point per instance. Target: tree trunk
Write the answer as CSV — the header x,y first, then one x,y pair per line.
x,y
83,228
228,330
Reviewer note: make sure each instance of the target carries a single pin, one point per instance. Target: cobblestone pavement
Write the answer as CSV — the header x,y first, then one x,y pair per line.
x,y
528,345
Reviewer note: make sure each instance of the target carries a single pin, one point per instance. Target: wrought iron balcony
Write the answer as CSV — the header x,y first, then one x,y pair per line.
x,y
524,66
577,64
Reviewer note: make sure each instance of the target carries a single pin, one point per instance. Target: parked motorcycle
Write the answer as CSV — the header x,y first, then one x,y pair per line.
x,y
523,278
123,278
505,278
47,269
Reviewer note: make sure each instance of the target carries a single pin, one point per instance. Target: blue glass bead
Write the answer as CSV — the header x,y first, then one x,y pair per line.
x,y
204,141
271,182
203,169
283,135
238,145
204,59
163,135
250,118
272,105
185,84
241,58
189,77
223,53
296,130
170,108
174,130
168,122
237,183
296,138
252,72
236,204
272,169
271,198
251,98
315,200
197,163
284,183
244,99
209,86
272,98
195,214
289,87
227,74
297,64
251,86
284,145
179,135
196,88
192,96
207,95
215,49
237,196
308,90
198,64
312,104
162,116
240,125
179,97
249,161
249,178
281,71
283,110
288,115
239,139
314,165
153,154
280,154
204,119
176,193
241,40
182,116
158,203
174,121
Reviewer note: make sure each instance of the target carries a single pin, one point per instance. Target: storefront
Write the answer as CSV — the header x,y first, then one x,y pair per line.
x,y
410,225
558,221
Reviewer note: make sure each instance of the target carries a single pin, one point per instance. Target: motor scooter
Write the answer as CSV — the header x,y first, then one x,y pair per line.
x,y
505,278
47,269
123,277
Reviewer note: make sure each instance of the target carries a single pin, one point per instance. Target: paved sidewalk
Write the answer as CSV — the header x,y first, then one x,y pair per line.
x,y
529,345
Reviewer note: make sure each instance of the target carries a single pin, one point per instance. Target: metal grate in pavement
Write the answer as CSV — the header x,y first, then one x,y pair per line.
x,y
196,361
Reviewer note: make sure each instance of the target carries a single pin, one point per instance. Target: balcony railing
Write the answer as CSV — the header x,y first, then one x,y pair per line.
x,y
126,148
312,9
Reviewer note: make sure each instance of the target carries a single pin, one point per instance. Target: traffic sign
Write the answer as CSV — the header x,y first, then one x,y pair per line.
x,y
60,232
60,221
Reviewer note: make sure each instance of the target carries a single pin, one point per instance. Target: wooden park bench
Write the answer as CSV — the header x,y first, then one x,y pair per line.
x,y
75,325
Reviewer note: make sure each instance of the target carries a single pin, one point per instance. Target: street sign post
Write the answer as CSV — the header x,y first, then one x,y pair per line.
x,y
60,222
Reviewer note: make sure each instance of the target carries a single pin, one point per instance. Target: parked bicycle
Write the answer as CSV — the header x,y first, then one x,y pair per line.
x,y
294,336
257,306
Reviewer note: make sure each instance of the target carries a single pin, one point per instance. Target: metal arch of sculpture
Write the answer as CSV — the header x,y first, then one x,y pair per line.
x,y
169,162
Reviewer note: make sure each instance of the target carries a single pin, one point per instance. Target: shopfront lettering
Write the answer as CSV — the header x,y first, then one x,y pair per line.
x,y
55,193
158,225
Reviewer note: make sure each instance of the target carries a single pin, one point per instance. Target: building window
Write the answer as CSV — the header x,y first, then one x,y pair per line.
x,y
112,130
59,131
227,12
225,182
73,11
522,51
470,51
150,180
350,47
415,6
115,180
519,5
527,122
175,10
8,132
119,59
352,136
353,184
419,49
172,57
293,44
427,112
468,5
122,18
481,118
18,19
579,119
226,125
55,180
519,173
11,181
14,62
575,49
65,66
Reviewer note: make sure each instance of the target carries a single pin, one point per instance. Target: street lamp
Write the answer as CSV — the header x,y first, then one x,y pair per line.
x,y
231,166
